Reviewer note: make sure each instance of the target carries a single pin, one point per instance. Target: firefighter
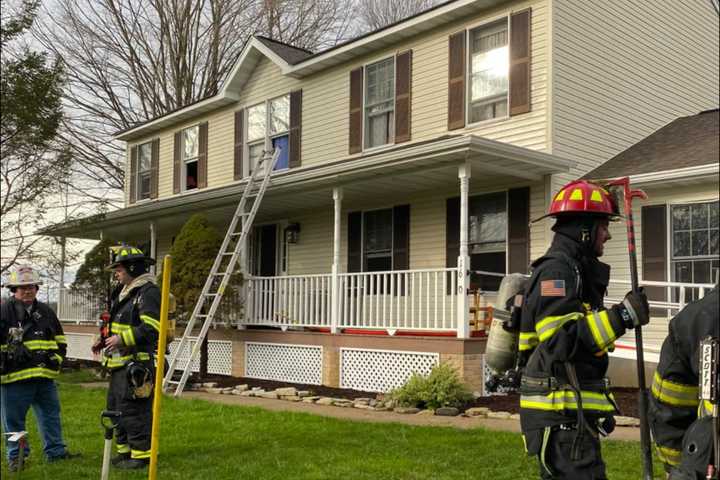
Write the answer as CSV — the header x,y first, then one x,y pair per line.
x,y
32,349
565,335
677,418
128,354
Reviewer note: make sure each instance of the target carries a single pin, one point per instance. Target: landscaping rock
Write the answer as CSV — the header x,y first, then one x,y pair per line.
x,y
214,390
477,412
247,393
227,390
426,412
447,412
303,393
621,421
241,388
325,401
362,406
406,410
515,416
363,400
286,392
499,415
210,384
267,395
256,389
341,402
291,399
311,399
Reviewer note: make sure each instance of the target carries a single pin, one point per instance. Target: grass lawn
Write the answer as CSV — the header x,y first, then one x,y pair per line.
x,y
202,440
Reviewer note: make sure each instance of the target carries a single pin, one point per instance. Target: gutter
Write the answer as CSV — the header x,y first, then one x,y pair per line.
x,y
676,174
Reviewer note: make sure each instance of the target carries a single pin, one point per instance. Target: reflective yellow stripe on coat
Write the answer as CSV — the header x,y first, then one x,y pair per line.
x,y
41,344
565,400
668,455
27,373
674,393
117,362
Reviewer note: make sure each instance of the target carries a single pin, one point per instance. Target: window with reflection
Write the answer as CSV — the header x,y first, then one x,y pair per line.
x,y
488,65
695,247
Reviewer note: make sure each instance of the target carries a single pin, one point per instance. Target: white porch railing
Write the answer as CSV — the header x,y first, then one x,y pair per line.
x,y
80,307
394,300
293,300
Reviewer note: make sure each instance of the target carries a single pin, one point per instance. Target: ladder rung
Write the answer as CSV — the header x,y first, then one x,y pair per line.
x,y
174,382
211,294
236,234
219,274
225,254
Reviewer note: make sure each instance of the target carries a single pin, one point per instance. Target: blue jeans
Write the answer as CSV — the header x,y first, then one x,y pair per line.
x,y
41,394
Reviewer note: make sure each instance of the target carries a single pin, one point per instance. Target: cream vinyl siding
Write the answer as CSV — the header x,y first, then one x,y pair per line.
x,y
616,254
326,102
622,70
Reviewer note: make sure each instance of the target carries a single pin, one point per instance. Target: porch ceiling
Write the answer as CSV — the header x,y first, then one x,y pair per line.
x,y
385,175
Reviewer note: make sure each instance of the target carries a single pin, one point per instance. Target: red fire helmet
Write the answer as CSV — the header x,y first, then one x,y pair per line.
x,y
583,197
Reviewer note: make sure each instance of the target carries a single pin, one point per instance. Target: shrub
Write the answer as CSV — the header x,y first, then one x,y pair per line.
x,y
441,388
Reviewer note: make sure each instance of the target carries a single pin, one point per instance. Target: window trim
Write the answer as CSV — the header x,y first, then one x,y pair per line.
x,y
394,99
137,173
669,236
468,86
267,140
184,161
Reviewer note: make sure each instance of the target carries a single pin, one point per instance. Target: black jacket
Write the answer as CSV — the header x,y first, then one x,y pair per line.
x,y
43,347
135,318
565,325
674,403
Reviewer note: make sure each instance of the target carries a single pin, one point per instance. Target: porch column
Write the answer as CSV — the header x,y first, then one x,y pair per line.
x,y
335,285
153,247
463,263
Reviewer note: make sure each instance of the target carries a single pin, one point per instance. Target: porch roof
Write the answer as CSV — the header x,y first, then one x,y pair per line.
x,y
428,165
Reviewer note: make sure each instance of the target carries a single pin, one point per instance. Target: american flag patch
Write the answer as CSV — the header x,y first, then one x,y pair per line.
x,y
552,288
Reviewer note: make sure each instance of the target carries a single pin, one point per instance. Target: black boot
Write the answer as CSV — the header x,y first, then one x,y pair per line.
x,y
119,458
132,463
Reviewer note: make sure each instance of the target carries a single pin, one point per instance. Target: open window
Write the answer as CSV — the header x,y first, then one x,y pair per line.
x,y
268,125
190,157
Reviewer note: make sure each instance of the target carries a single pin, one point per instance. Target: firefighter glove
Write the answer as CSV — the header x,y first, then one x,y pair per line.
x,y
634,310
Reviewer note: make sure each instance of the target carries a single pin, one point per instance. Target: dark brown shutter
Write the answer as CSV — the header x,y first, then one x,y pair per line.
x,y
354,242
654,249
154,168
295,128
403,89
456,81
356,102
202,155
133,173
239,145
401,237
177,161
520,62
452,237
519,230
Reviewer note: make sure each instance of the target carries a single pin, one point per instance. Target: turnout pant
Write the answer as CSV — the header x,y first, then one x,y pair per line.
x,y
132,434
556,460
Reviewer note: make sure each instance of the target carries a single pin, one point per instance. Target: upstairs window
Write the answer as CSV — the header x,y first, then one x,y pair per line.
x,y
380,103
190,154
144,171
268,128
488,75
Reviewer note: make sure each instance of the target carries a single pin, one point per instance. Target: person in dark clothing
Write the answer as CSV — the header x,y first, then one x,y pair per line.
x,y
677,417
128,355
32,349
565,334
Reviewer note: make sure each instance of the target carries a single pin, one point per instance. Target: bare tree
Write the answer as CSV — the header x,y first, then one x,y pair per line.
x,y
375,14
129,61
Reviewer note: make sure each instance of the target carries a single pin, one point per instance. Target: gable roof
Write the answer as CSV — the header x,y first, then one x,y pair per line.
x,y
685,142
298,63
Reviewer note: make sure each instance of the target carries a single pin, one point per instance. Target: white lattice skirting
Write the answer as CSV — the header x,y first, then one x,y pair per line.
x,y
282,362
382,370
219,356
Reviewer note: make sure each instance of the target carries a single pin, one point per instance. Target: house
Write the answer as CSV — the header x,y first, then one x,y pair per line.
x,y
410,156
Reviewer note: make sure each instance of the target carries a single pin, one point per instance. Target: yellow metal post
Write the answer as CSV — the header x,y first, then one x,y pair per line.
x,y
159,371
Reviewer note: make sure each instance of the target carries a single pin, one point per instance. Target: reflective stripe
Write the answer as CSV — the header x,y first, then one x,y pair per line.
x,y
112,362
128,337
150,321
705,409
528,341
668,455
58,357
60,339
673,393
122,448
3,347
565,400
602,331
41,344
140,453
547,327
118,328
35,372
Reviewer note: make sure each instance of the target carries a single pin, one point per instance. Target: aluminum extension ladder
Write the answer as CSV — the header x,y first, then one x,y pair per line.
x,y
212,293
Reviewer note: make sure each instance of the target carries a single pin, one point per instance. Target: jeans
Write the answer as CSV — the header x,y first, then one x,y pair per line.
x,y
41,394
